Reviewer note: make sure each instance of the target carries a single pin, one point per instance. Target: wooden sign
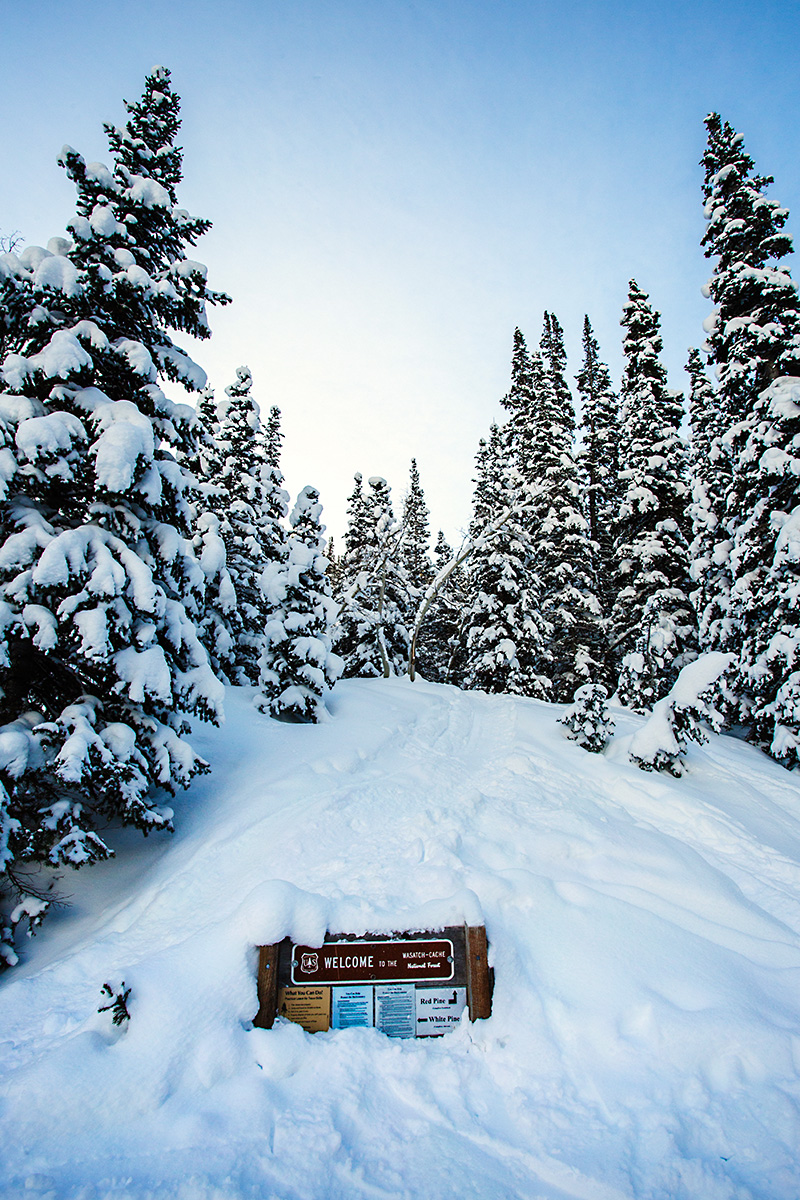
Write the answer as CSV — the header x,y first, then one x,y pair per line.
x,y
406,985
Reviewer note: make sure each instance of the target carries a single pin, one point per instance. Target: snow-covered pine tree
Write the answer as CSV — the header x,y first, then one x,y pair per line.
x,y
298,665
438,656
247,522
390,581
415,544
587,720
352,623
502,639
710,469
653,626
599,468
219,624
754,344
274,497
372,636
559,531
683,715
100,663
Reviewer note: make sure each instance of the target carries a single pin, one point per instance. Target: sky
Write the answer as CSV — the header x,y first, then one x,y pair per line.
x,y
394,185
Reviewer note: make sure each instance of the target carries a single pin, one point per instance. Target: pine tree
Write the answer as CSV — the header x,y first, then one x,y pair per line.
x,y
218,624
274,497
502,637
652,623
587,721
754,344
599,467
415,544
353,623
298,666
372,636
243,488
560,531
438,653
709,552
99,587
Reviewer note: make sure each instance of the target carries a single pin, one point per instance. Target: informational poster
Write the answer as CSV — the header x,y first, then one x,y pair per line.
x,y
395,1009
438,1010
352,1006
309,1007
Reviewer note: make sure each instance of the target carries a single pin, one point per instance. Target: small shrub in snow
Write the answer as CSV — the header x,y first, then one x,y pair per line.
x,y
587,721
117,1002
661,743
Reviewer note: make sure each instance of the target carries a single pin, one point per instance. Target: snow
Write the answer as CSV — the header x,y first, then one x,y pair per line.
x,y
58,273
644,931
126,441
149,193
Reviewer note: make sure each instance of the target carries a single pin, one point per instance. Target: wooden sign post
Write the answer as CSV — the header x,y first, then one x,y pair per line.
x,y
406,985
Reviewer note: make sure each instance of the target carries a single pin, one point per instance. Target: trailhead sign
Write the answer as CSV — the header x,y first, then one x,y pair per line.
x,y
405,985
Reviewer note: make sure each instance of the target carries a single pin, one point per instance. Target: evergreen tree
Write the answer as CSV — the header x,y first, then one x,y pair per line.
x,y
438,657
372,636
244,491
559,529
587,721
100,662
273,496
298,666
415,544
754,344
709,552
652,623
502,637
353,623
599,467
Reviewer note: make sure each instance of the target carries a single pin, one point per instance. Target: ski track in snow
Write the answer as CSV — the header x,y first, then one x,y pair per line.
x,y
645,935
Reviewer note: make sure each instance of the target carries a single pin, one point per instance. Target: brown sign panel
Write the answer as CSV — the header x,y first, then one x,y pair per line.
x,y
396,961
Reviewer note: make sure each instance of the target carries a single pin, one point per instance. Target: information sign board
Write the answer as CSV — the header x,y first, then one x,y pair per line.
x,y
353,1005
309,1007
439,1010
406,985
395,1009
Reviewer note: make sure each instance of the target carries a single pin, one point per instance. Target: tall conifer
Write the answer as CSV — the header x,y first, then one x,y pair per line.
x,y
754,343
653,623
100,663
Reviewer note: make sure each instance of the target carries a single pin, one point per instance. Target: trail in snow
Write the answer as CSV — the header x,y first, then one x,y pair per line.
x,y
645,935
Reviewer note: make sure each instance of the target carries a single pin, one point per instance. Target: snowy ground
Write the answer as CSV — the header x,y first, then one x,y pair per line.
x,y
645,934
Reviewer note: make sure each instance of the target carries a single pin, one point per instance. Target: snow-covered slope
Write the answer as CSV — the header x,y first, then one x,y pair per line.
x,y
645,935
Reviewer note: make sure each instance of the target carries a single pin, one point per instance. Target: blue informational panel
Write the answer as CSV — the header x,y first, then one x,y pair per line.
x,y
352,1006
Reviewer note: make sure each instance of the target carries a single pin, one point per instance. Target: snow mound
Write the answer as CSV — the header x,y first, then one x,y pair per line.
x,y
644,932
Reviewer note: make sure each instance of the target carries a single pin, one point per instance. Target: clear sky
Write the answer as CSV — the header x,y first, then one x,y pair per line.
x,y
396,184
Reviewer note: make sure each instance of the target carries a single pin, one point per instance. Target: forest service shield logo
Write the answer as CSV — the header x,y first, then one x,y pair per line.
x,y
309,963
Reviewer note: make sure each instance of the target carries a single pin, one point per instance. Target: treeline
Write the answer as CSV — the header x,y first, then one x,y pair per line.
x,y
614,550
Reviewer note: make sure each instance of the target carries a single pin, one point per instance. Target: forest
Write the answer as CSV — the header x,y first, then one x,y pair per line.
x,y
627,544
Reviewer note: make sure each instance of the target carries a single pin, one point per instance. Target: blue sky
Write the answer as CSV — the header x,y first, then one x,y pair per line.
x,y
394,186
